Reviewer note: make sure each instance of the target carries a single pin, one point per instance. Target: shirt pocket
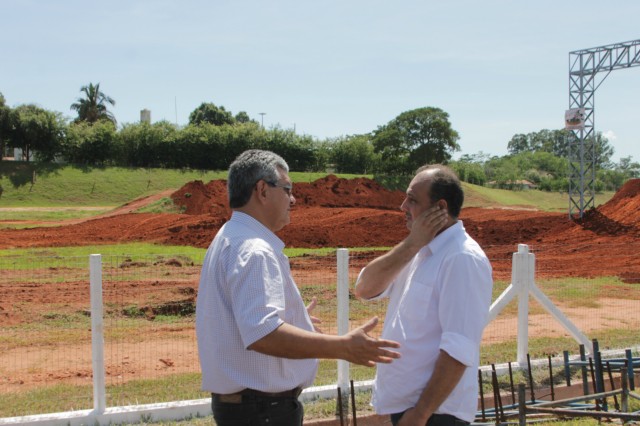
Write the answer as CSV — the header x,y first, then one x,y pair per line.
x,y
417,300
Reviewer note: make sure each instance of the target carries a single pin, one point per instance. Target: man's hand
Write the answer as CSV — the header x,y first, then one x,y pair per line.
x,y
376,277
447,374
314,320
427,225
363,349
412,418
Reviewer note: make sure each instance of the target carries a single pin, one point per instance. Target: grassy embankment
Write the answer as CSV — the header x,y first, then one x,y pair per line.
x,y
48,190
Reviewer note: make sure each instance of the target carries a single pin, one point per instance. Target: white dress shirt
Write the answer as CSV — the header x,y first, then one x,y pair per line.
x,y
439,301
246,291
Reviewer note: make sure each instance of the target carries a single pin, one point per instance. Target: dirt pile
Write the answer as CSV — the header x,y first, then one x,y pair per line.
x,y
623,208
334,192
328,212
196,198
334,212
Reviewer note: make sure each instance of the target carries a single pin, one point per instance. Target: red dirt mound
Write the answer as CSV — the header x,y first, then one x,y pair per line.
x,y
624,207
197,198
333,212
332,191
312,223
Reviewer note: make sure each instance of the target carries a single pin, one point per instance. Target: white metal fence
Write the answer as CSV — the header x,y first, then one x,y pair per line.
x,y
102,351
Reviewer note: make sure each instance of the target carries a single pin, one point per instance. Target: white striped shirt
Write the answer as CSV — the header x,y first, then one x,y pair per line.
x,y
246,291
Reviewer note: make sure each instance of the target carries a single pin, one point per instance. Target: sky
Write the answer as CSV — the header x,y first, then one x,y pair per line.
x,y
326,68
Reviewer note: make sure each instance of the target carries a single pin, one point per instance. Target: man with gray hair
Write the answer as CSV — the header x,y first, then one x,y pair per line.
x,y
256,340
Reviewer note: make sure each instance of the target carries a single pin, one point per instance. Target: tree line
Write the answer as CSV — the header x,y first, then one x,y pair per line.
x,y
214,137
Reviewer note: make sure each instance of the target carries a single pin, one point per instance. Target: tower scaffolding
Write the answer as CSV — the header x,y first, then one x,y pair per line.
x,y
588,68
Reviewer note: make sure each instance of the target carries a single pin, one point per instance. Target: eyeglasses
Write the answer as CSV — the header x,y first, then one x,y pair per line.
x,y
287,188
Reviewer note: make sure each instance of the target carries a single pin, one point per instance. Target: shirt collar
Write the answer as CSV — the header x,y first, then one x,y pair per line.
x,y
443,238
257,227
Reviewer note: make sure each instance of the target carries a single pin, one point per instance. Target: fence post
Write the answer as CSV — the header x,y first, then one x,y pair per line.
x,y
625,390
97,334
522,278
343,313
522,405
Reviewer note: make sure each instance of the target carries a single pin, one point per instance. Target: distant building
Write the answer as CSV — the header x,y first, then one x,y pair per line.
x,y
17,154
513,184
145,116
12,154
7,153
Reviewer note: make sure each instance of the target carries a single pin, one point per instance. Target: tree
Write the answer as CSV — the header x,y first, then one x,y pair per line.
x,y
479,157
243,117
560,146
629,167
93,106
469,171
353,154
503,172
148,145
6,124
414,138
518,143
545,140
90,144
38,130
604,152
210,113
297,149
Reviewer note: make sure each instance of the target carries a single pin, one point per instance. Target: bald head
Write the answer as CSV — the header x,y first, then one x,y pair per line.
x,y
443,185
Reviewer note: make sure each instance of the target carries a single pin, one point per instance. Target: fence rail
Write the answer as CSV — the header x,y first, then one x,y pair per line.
x,y
134,352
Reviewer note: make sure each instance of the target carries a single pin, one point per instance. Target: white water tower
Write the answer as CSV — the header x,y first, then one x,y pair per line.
x,y
145,116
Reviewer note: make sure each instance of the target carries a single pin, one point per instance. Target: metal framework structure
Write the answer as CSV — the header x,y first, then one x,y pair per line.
x,y
588,68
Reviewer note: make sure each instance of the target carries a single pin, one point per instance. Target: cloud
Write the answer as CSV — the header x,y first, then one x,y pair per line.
x,y
610,135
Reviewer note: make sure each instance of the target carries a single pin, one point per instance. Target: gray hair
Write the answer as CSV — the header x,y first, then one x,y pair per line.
x,y
247,169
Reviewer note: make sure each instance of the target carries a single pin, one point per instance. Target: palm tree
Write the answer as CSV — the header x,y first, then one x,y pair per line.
x,y
93,106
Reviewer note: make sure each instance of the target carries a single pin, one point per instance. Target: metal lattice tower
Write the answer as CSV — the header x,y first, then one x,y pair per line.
x,y
588,68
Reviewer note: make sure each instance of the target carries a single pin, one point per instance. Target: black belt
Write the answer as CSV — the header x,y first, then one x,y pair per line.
x,y
237,398
446,419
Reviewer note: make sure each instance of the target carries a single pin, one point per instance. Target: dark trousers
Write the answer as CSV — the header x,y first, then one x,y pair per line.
x,y
259,411
434,420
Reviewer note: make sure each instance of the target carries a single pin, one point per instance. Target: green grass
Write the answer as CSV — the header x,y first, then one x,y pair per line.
x,y
23,258
63,397
164,205
309,177
52,215
72,186
575,292
585,292
76,256
480,196
30,185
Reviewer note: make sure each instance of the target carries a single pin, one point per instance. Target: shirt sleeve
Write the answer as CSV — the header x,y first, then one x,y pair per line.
x,y
380,296
464,305
257,294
